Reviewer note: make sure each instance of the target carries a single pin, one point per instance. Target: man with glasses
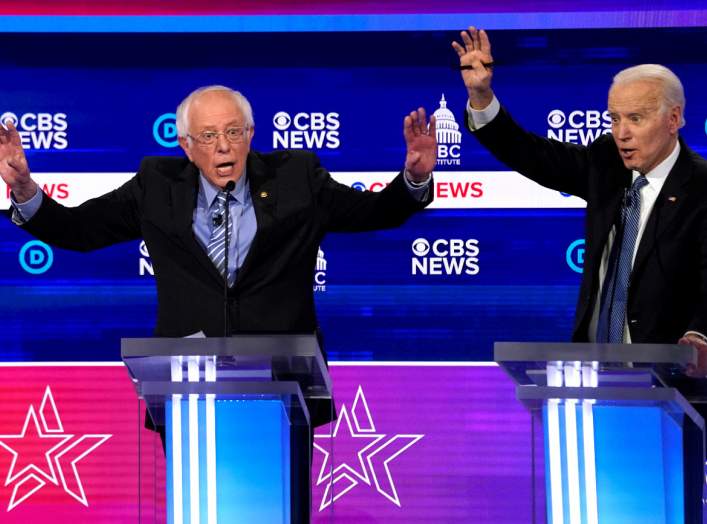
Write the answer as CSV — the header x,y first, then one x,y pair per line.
x,y
281,205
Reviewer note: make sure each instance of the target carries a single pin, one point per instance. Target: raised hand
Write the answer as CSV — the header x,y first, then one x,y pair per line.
x,y
421,141
14,170
477,66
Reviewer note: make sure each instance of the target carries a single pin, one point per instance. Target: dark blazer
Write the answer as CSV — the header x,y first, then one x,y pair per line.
x,y
668,290
295,202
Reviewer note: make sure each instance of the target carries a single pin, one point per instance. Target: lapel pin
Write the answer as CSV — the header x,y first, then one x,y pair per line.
x,y
672,199
263,194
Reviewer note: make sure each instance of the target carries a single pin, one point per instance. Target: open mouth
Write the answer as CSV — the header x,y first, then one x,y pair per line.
x,y
627,153
225,168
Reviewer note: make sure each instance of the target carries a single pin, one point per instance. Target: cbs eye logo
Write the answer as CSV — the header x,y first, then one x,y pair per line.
x,y
281,120
420,247
556,118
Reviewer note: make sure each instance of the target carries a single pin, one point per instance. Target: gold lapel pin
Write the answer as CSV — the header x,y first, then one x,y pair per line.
x,y
672,199
263,194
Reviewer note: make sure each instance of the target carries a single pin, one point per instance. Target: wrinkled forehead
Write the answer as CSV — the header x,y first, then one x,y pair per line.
x,y
213,109
638,96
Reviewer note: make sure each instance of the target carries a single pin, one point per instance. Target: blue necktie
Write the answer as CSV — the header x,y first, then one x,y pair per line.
x,y
217,246
612,314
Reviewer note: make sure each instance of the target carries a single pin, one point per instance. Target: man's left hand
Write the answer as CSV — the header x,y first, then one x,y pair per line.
x,y
421,141
700,370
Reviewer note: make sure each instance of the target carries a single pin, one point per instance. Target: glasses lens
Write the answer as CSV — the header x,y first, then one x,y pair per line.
x,y
207,137
234,134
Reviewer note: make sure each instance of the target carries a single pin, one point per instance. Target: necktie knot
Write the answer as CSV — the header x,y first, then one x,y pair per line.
x,y
641,181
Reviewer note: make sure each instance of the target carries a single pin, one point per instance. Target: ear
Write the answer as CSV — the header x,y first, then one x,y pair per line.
x,y
251,132
186,147
674,119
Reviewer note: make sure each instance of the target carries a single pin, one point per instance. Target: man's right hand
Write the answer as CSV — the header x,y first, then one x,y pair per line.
x,y
477,66
14,170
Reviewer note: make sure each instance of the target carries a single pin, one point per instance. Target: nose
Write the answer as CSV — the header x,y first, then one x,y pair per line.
x,y
222,145
622,131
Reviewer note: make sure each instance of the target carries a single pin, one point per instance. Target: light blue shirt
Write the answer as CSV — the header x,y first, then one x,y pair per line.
x,y
242,222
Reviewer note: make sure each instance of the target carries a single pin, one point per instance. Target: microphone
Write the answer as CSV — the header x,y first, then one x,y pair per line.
x,y
226,189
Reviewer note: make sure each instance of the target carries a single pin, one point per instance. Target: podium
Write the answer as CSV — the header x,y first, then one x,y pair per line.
x,y
621,442
236,419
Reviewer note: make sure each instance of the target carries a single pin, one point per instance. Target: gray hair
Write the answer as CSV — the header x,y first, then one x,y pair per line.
x,y
673,93
183,108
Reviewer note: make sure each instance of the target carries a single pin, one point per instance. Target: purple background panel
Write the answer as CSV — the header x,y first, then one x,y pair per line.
x,y
456,442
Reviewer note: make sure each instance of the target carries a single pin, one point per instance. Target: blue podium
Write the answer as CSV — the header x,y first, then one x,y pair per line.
x,y
236,422
620,441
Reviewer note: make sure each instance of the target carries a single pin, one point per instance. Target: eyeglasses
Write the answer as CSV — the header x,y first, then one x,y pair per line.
x,y
235,135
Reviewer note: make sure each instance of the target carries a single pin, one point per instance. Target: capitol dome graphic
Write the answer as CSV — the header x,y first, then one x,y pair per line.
x,y
447,127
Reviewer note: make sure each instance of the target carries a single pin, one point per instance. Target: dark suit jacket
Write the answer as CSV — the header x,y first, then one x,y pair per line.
x,y
295,201
668,291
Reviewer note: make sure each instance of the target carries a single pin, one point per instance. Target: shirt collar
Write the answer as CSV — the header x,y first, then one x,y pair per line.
x,y
659,173
210,191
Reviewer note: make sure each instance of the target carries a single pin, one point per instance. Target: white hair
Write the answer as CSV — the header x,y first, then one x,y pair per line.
x,y
183,108
671,87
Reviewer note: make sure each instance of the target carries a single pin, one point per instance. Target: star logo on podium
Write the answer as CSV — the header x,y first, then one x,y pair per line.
x,y
362,454
42,452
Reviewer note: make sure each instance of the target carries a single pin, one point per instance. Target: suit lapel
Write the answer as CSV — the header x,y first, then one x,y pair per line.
x,y
671,199
263,193
183,195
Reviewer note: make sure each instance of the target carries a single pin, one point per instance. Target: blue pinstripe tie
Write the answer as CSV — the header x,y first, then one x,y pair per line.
x,y
612,313
217,247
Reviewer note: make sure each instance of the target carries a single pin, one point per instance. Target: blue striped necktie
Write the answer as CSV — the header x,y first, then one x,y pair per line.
x,y
217,246
612,314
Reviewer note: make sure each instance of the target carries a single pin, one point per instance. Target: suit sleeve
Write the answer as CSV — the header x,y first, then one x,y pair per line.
x,y
699,320
99,222
557,165
346,209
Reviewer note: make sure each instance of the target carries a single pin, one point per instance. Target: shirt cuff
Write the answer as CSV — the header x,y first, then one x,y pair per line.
x,y
23,212
418,190
477,119
696,334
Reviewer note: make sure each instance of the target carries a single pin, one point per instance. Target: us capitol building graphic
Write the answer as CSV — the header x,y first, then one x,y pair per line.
x,y
448,136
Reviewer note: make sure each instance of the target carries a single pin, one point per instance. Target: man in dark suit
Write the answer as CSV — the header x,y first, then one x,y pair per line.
x,y
281,205
645,267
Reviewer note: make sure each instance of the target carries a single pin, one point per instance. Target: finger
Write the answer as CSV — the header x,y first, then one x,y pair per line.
x,y
14,136
407,128
468,42
433,127
475,39
459,49
484,42
422,119
415,123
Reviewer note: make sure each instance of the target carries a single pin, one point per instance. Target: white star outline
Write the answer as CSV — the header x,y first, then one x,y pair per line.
x,y
33,472
366,458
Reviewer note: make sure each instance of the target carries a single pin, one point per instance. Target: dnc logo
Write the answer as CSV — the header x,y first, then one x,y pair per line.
x,y
575,256
164,130
36,257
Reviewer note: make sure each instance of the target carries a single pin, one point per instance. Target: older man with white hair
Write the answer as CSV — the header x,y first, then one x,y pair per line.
x,y
280,204
645,265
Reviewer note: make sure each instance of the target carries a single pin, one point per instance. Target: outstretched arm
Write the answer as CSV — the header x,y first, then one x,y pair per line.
x,y
14,170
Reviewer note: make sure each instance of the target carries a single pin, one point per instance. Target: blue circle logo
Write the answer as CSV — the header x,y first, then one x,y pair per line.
x,y
165,130
359,186
575,256
36,257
